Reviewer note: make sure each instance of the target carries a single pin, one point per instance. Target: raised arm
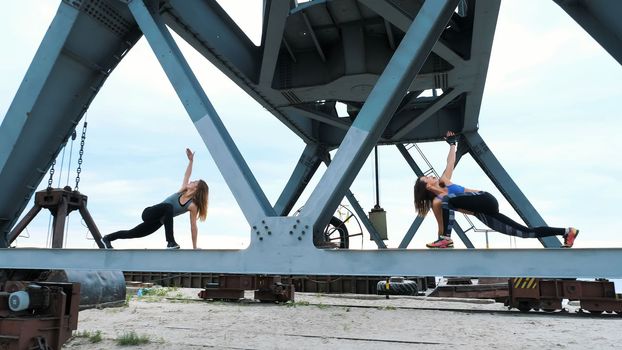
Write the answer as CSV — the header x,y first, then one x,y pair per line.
x,y
188,172
194,231
451,158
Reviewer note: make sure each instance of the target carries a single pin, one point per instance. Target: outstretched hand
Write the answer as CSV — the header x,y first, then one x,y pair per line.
x,y
451,138
189,154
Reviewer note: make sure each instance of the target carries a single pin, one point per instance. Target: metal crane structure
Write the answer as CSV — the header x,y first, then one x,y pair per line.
x,y
377,57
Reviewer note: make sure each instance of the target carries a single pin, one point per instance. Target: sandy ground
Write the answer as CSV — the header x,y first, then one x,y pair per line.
x,y
180,320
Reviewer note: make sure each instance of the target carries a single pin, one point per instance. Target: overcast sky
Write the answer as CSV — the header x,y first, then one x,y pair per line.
x,y
550,114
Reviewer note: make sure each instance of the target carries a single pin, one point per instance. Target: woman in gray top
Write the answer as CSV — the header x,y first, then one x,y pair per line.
x,y
192,197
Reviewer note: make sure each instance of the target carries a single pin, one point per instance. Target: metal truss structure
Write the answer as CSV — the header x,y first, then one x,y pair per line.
x,y
375,56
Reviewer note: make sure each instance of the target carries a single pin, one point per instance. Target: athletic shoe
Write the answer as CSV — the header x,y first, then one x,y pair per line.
x,y
441,243
106,242
570,237
172,245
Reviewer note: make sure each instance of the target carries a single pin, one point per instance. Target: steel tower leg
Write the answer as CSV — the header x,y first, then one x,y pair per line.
x,y
497,174
418,220
311,158
230,162
377,111
14,128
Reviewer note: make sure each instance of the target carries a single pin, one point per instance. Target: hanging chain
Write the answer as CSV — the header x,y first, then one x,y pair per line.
x,y
51,174
79,170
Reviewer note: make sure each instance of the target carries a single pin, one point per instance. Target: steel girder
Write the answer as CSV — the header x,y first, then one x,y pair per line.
x,y
294,257
601,19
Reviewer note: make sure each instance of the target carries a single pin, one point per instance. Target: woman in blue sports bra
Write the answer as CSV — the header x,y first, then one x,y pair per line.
x,y
445,197
191,198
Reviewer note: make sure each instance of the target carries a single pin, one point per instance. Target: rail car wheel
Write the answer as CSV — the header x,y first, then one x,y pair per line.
x,y
342,226
548,310
523,306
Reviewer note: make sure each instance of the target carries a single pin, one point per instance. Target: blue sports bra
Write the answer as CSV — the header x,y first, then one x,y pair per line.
x,y
452,189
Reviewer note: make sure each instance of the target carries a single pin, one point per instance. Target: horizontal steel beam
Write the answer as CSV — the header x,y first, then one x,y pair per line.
x,y
559,263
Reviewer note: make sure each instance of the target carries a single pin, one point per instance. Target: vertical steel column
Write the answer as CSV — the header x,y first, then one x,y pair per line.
x,y
378,110
419,220
497,174
230,162
310,159
60,216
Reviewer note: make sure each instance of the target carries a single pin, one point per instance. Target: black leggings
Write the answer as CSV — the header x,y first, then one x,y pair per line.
x,y
486,208
153,218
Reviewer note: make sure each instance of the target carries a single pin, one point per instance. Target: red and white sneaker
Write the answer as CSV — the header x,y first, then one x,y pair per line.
x,y
441,243
570,237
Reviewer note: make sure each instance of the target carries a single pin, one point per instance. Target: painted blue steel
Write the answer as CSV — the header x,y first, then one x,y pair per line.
x,y
463,237
408,237
497,174
373,233
22,161
601,19
377,111
208,28
275,16
212,24
307,165
230,162
553,263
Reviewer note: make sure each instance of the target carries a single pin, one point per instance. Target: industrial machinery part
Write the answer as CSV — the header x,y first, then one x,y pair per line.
x,y
37,315
484,288
232,287
98,288
305,284
547,294
397,286
60,202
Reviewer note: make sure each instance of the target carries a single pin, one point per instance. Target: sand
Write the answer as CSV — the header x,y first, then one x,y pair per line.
x,y
180,320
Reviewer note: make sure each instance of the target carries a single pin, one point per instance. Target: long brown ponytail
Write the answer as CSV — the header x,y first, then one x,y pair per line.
x,y
201,199
423,198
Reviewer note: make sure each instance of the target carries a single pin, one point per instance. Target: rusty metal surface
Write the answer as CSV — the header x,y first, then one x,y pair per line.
x,y
46,325
305,284
60,202
232,287
532,293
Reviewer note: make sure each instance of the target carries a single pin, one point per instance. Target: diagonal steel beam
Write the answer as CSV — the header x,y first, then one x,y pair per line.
x,y
401,20
275,17
600,19
373,233
439,103
377,111
228,158
319,116
497,174
318,47
307,165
